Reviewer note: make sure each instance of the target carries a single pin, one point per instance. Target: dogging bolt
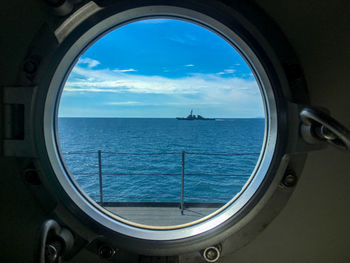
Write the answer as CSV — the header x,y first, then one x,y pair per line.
x,y
211,254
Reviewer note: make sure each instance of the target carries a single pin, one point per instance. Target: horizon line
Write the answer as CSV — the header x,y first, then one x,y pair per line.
x,y
108,117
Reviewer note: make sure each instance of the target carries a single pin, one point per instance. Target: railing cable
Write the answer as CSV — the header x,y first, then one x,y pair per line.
x,y
182,193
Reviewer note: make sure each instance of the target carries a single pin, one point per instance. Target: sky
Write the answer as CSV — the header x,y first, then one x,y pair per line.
x,y
161,68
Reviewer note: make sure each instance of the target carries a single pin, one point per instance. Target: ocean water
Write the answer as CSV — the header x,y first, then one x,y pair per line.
x,y
141,159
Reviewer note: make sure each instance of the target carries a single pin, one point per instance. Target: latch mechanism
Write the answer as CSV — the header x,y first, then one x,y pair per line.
x,y
318,126
55,242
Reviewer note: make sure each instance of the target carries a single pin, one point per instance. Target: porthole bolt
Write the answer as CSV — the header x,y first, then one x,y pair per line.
x,y
32,176
290,179
53,251
211,254
106,252
55,242
30,66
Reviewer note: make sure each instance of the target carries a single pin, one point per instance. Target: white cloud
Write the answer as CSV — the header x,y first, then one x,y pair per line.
x,y
91,63
189,65
206,88
124,70
226,71
124,103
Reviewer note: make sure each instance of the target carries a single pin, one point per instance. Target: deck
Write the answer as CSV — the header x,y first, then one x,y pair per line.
x,y
166,215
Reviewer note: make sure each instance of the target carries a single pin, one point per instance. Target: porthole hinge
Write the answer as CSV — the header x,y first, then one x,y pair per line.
x,y
15,119
319,127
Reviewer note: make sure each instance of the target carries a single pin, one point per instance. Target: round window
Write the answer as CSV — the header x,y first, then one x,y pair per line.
x,y
161,122
164,123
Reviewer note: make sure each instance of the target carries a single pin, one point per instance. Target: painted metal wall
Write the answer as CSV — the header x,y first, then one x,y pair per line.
x,y
313,227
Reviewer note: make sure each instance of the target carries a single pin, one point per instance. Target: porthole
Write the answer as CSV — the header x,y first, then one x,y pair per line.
x,y
121,220
124,147
77,82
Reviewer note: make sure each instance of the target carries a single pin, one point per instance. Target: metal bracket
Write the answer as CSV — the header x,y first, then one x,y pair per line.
x,y
16,107
318,126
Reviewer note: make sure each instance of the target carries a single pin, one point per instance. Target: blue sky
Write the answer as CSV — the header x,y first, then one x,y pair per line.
x,y
161,68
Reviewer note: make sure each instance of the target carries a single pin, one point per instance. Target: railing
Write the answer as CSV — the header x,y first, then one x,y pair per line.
x,y
183,158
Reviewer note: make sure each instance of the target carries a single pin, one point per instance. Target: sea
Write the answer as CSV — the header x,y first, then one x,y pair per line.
x,y
144,159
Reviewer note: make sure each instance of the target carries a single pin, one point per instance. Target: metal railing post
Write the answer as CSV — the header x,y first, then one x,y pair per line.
x,y
100,176
182,182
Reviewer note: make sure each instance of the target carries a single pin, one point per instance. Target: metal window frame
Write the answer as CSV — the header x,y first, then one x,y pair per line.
x,y
283,153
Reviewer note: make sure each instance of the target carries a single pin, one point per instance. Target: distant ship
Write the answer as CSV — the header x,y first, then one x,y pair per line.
x,y
192,117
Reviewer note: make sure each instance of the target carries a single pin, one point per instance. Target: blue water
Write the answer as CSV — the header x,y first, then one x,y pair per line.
x,y
128,175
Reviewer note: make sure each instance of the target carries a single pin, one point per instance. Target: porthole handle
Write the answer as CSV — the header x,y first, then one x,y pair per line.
x,y
318,126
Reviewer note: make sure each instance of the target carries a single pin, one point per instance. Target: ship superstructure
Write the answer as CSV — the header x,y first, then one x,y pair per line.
x,y
193,117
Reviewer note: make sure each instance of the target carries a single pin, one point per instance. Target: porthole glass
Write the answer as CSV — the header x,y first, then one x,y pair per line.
x,y
161,123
